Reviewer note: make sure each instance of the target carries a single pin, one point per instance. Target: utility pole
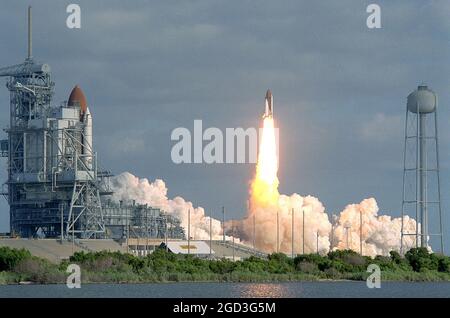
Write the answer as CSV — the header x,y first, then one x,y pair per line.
x,y
347,227
153,225
331,237
62,222
317,241
303,232
189,231
73,233
292,233
165,235
137,241
223,223
30,36
146,230
210,236
127,226
254,230
278,233
333,220
347,237
360,233
232,222
138,246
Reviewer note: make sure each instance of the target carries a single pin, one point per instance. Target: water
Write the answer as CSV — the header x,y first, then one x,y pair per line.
x,y
232,290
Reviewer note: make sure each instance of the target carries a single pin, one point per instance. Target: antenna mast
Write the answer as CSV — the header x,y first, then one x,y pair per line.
x,y
30,47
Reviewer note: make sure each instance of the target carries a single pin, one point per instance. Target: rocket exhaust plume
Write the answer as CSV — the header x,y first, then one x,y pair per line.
x,y
309,230
269,218
270,210
264,187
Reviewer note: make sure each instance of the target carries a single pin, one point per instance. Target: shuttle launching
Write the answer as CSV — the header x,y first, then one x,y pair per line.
x,y
268,112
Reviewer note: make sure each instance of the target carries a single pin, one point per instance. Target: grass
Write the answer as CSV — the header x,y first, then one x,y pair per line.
x,y
9,278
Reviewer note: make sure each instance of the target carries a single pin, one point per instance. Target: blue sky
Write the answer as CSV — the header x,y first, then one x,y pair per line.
x,y
340,89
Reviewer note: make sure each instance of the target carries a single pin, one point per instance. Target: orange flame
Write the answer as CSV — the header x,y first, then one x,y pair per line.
x,y
264,187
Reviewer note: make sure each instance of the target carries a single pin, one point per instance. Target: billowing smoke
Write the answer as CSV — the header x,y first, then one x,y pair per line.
x,y
381,233
310,209
128,187
278,222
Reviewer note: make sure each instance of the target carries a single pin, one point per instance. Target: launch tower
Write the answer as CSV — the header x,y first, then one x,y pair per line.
x,y
53,186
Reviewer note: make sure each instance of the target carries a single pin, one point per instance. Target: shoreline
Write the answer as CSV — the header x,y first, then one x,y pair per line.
x,y
262,281
19,267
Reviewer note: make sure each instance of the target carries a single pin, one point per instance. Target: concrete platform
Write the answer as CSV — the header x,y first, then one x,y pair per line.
x,y
55,251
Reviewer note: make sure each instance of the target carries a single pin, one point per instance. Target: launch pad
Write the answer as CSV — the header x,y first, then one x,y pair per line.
x,y
55,187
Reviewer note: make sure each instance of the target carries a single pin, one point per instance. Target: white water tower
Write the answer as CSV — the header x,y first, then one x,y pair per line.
x,y
421,184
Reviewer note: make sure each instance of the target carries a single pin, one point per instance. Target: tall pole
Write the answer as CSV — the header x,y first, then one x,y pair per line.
x,y
30,35
73,233
189,231
332,237
423,176
351,238
146,230
317,241
210,236
404,187
223,223
278,233
153,225
438,181
332,232
127,221
360,233
165,231
62,222
347,234
139,234
417,175
303,232
232,222
292,238
254,230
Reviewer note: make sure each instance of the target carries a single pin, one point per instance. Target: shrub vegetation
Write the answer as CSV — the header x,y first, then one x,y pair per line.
x,y
162,266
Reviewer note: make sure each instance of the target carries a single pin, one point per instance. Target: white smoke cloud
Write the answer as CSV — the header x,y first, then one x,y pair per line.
x,y
316,225
128,187
381,233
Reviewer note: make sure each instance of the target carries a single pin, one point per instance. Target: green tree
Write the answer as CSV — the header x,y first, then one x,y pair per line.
x,y
444,264
10,257
421,260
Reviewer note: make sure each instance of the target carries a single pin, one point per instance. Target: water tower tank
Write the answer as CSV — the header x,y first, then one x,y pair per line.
x,y
422,100
421,183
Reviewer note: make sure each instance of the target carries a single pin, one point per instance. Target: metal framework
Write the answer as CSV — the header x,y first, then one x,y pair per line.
x,y
49,181
421,180
139,221
54,186
47,161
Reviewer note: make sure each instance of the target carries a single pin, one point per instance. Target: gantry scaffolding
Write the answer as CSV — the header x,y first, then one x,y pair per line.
x,y
48,174
54,186
133,220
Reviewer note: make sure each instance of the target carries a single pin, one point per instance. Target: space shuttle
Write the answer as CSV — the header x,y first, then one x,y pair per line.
x,y
268,111
78,99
